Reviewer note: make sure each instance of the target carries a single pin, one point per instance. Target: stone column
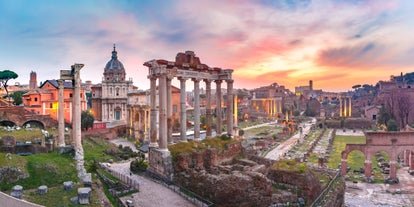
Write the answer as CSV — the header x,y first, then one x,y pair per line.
x,y
61,114
208,108
169,111
219,120
196,109
235,118
344,165
162,90
340,106
153,113
411,159
407,157
368,169
77,111
280,106
393,170
229,107
350,106
183,114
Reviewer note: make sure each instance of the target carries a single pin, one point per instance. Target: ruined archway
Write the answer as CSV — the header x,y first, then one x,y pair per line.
x,y
390,142
7,123
34,124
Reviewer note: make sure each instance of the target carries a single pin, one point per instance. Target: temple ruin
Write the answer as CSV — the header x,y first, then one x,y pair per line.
x,y
186,66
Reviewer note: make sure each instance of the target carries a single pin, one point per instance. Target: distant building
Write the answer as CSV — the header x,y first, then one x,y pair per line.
x,y
44,100
268,101
109,99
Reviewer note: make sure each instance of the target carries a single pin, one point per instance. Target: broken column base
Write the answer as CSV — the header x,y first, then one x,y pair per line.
x,y
65,149
160,164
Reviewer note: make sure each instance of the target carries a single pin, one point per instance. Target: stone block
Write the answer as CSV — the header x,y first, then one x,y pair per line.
x,y
17,191
84,195
42,189
87,180
68,185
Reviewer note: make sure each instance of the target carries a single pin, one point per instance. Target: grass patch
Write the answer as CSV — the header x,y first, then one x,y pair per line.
x,y
15,161
192,146
48,169
57,196
95,148
290,165
339,145
23,135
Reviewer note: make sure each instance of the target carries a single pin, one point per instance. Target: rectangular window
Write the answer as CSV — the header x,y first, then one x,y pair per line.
x,y
51,105
70,95
36,99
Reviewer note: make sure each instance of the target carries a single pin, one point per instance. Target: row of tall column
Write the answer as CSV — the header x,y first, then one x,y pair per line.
x,y
345,106
165,109
271,107
139,122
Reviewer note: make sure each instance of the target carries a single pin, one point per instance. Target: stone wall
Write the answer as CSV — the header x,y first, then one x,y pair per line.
x,y
207,158
108,133
307,182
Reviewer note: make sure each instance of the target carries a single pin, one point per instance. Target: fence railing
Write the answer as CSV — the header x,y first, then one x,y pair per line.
x,y
185,193
318,201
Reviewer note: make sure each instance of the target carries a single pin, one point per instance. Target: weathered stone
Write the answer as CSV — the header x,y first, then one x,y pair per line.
x,y
84,195
42,189
17,191
87,180
68,185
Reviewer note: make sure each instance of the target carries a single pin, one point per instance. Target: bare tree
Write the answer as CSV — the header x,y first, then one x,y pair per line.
x,y
404,109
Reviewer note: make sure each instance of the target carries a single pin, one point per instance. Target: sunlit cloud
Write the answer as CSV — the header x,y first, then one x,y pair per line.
x,y
336,44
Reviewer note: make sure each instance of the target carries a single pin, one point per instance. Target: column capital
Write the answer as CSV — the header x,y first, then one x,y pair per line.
x,y
207,81
182,79
230,81
218,81
196,79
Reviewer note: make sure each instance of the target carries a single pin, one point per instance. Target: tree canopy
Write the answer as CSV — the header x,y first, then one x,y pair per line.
x,y
5,76
87,120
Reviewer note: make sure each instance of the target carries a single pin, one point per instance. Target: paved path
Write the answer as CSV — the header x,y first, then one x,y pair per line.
x,y
280,150
151,194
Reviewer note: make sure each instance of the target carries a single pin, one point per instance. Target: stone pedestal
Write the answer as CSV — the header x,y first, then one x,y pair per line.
x,y
87,180
68,185
160,164
17,191
84,195
42,189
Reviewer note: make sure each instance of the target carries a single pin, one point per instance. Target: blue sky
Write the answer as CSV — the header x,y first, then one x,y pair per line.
x,y
336,43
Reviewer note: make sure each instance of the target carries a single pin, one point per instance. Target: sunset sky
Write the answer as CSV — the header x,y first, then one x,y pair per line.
x,y
336,43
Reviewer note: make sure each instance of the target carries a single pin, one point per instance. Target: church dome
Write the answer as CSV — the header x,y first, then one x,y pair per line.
x,y
114,63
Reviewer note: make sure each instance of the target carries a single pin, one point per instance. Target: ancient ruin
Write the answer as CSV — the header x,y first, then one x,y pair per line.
x,y
395,144
186,66
74,76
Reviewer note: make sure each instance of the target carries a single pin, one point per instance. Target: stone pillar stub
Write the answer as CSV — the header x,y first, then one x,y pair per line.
x,y
196,109
153,113
218,108
183,108
208,108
